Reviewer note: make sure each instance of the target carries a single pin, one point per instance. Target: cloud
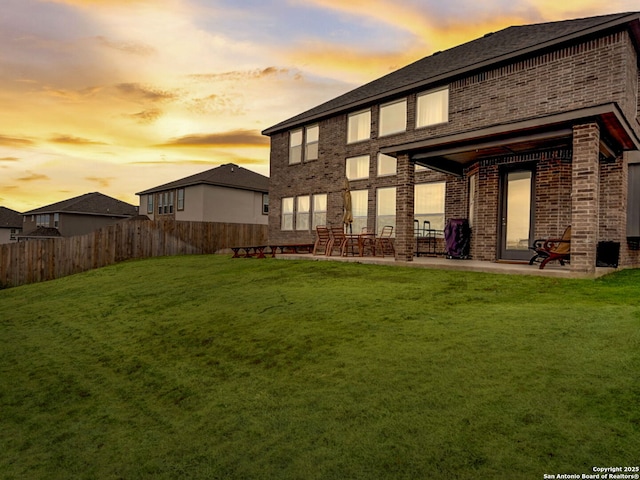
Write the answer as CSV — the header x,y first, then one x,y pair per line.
x,y
9,159
104,182
252,74
234,138
142,93
146,117
71,140
134,48
15,141
33,177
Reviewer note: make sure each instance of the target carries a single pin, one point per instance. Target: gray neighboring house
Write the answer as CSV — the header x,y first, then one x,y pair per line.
x,y
226,194
10,225
75,216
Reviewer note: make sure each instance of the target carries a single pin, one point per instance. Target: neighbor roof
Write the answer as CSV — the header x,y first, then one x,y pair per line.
x,y
441,67
94,203
228,175
10,218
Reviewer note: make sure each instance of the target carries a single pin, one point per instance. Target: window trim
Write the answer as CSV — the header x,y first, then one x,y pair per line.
x,y
295,147
315,143
395,170
380,118
426,94
368,132
346,167
265,204
150,203
180,201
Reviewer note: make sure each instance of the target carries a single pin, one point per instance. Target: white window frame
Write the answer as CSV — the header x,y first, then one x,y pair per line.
x,y
319,208
431,209
295,146
150,203
432,107
311,141
359,126
265,204
387,165
393,118
359,209
357,168
303,212
288,214
180,201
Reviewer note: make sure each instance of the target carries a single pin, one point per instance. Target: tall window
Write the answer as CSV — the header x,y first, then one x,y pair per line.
x,y
302,212
473,185
181,199
393,117
357,167
387,165
385,208
150,203
432,108
287,213
359,126
265,203
160,203
295,146
311,141
171,201
56,220
319,210
359,207
429,204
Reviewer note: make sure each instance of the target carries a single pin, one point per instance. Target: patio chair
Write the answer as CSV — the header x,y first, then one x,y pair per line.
x,y
338,240
384,242
323,240
550,249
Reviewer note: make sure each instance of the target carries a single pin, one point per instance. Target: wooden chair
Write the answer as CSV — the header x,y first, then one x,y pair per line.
x,y
323,239
552,249
338,240
367,242
384,242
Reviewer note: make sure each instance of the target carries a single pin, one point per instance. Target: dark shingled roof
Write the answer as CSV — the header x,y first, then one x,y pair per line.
x,y
441,67
228,175
42,232
10,218
90,204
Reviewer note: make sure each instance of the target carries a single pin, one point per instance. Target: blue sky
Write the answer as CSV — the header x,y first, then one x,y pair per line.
x,y
118,96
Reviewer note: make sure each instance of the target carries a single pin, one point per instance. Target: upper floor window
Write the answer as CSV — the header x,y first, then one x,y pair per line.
x,y
432,108
150,203
180,205
265,203
56,220
393,117
312,134
357,167
387,165
359,127
295,146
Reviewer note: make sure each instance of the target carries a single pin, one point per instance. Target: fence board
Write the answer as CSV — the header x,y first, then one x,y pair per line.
x,y
47,259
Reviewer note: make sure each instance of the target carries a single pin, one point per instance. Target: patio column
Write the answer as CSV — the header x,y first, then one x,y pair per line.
x,y
585,186
404,243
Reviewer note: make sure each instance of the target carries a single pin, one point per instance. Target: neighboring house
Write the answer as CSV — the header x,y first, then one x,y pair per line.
x,y
522,132
10,225
226,194
75,216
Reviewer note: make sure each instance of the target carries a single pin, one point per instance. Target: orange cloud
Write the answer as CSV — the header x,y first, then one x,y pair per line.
x,y
9,159
70,140
140,92
104,182
33,177
127,47
15,141
146,116
235,138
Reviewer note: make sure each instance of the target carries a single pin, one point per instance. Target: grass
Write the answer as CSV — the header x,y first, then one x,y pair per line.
x,y
205,367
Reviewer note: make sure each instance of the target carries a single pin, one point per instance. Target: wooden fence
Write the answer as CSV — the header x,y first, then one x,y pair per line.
x,y
39,260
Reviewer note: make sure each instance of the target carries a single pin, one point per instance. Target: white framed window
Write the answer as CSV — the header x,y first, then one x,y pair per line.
x,y
303,206
287,213
387,165
295,146
473,188
429,204
359,126
359,208
171,201
357,167
150,203
160,205
385,208
180,205
393,117
319,210
432,108
312,135
56,220
265,203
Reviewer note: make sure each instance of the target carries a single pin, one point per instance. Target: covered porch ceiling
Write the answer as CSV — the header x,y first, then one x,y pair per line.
x,y
452,153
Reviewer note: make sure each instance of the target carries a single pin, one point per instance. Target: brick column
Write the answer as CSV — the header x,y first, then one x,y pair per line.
x,y
405,242
585,186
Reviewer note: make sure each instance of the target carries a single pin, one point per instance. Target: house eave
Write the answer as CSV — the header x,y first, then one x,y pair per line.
x,y
195,184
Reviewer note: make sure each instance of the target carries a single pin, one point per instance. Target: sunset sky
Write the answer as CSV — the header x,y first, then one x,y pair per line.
x,y
118,96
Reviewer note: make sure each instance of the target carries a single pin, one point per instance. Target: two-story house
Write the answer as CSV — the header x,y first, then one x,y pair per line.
x,y
523,132
10,225
225,194
75,216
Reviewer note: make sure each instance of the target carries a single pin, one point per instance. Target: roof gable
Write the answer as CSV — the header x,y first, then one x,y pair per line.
x,y
228,175
91,204
10,218
441,67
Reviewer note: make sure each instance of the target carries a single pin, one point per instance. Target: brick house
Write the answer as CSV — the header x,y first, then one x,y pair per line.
x,y
75,216
522,132
227,194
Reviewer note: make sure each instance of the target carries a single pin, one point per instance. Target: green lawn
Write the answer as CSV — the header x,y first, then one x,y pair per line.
x,y
205,367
